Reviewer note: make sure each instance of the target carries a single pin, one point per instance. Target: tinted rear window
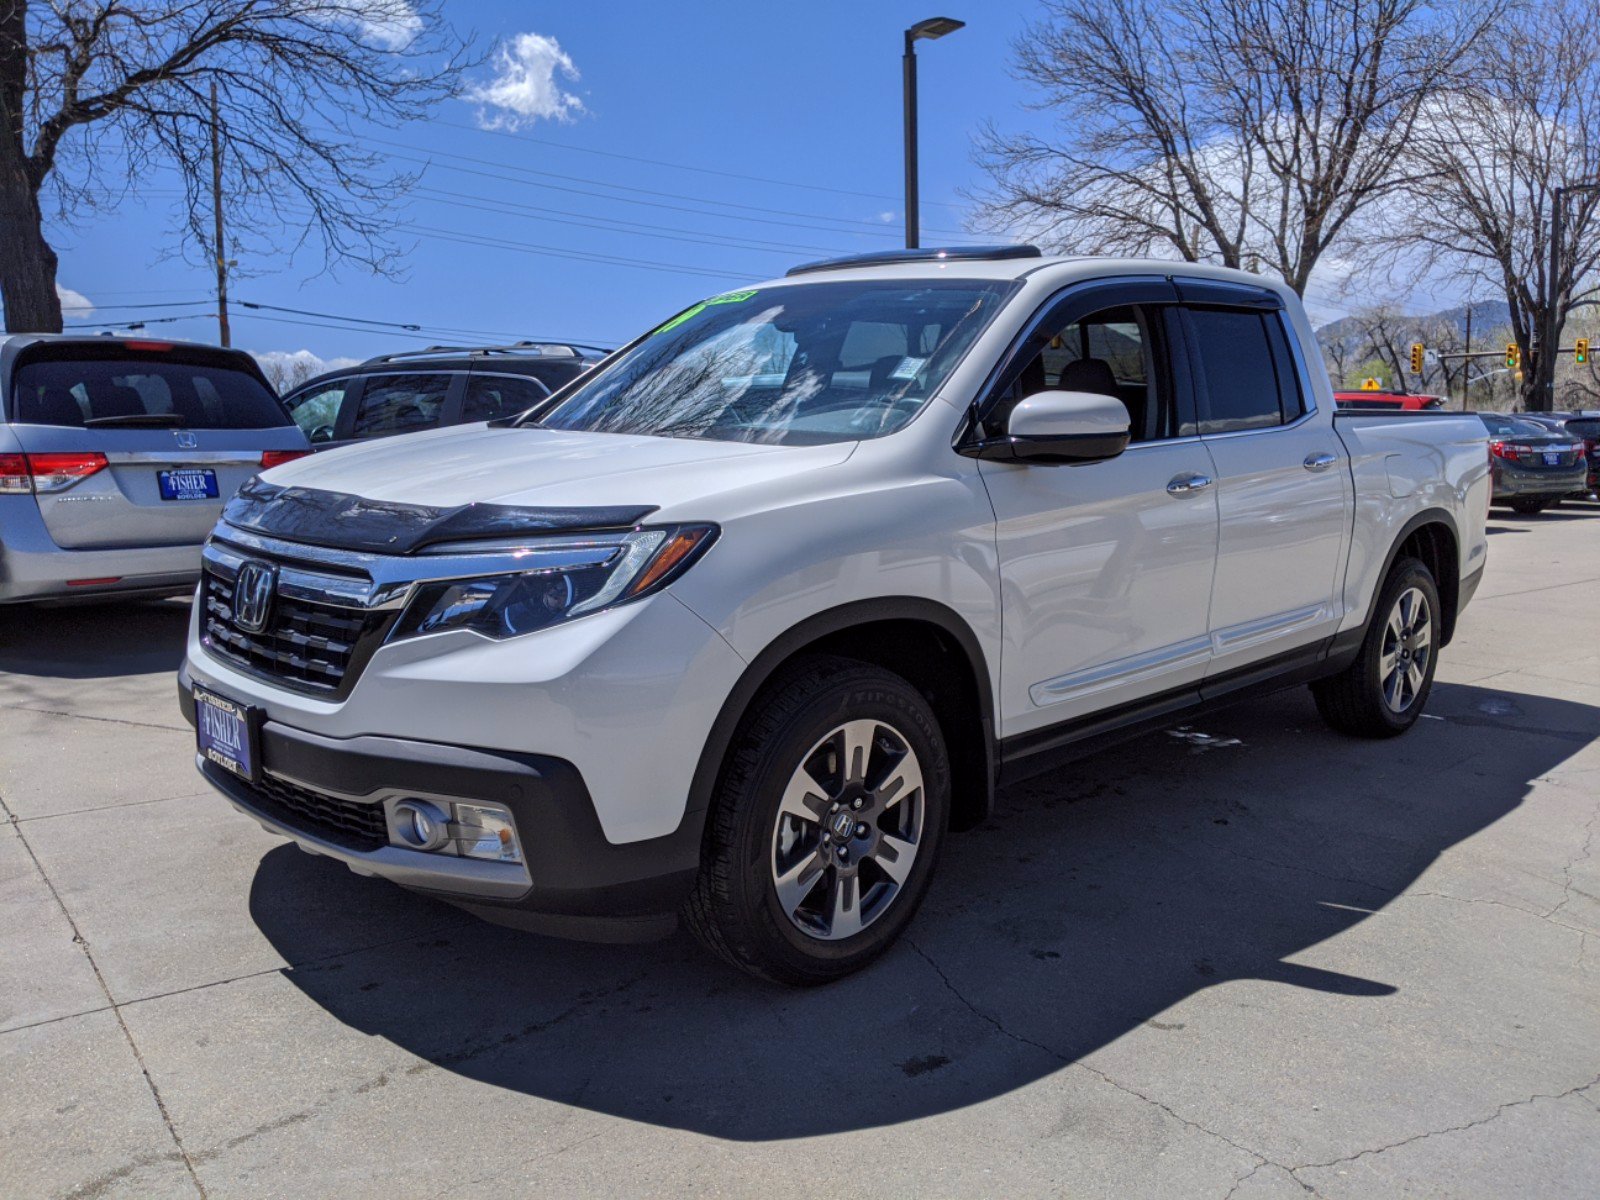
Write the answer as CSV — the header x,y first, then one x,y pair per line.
x,y
109,391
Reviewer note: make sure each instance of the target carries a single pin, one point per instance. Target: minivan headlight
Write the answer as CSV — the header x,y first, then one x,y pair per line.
x,y
555,581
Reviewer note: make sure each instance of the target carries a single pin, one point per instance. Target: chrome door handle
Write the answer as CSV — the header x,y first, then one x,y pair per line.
x,y
1188,485
1320,461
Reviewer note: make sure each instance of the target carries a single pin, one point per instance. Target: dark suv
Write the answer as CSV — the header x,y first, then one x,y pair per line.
x,y
427,389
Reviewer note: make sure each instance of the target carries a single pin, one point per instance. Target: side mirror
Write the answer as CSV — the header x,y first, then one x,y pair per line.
x,y
1060,427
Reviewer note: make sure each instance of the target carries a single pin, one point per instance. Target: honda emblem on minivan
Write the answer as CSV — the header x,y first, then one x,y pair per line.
x,y
186,440
252,595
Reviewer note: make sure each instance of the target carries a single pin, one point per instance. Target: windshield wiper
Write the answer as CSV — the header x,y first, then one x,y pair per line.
x,y
155,420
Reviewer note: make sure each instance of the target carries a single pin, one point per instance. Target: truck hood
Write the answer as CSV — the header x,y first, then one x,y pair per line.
x,y
531,467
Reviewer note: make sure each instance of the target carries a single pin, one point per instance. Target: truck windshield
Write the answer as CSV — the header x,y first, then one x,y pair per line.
x,y
797,364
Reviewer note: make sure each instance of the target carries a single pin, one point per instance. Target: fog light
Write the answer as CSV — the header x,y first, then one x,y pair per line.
x,y
486,831
418,825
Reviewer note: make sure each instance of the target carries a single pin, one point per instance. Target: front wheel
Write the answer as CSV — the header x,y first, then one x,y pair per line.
x,y
828,819
1382,693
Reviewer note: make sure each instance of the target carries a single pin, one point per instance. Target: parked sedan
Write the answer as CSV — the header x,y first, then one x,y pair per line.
x,y
1584,426
116,456
1533,466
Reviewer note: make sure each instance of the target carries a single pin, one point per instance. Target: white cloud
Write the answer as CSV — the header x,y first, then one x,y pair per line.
x,y
388,24
525,87
888,218
76,303
288,369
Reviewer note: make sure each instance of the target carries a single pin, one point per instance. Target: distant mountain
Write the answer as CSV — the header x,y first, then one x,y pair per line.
x,y
1485,316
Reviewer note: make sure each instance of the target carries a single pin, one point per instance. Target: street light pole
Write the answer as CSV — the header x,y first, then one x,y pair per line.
x,y
933,27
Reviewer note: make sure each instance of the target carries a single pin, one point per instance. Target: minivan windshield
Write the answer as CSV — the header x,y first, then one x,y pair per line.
x,y
139,392
797,364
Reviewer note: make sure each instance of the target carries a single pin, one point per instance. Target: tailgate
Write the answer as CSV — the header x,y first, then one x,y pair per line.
x,y
122,504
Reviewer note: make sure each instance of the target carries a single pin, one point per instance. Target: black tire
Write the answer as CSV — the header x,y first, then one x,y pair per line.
x,y
734,908
1528,507
1354,701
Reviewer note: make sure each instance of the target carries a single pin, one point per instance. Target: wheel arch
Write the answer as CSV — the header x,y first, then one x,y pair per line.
x,y
1431,536
925,642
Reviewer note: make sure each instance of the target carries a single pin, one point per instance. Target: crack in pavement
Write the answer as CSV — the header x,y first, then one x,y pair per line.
x,y
83,944
117,1005
1583,855
1546,917
987,1018
1499,1111
57,712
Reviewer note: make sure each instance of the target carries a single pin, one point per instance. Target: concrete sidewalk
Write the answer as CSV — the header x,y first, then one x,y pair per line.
x,y
1178,969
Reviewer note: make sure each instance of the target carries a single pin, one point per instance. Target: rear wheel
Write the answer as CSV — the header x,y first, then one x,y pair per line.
x,y
1383,691
827,822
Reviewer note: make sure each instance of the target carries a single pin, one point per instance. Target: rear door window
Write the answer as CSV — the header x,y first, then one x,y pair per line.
x,y
490,397
316,409
1247,378
401,403
132,392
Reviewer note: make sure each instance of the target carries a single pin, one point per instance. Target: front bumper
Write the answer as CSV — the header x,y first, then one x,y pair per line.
x,y
573,882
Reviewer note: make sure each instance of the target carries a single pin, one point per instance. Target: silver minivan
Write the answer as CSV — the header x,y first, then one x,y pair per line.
x,y
116,456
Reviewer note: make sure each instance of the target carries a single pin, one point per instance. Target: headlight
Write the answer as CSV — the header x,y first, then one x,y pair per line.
x,y
553,580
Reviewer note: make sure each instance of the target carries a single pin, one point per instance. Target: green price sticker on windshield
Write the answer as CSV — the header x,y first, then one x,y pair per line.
x,y
730,298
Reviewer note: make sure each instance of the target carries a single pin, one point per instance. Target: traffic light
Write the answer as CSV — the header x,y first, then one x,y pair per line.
x,y
1580,351
1416,358
1513,356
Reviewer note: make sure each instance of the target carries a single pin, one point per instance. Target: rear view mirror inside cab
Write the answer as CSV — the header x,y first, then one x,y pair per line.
x,y
1059,427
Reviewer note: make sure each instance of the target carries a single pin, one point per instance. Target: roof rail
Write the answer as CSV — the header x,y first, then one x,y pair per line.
x,y
877,258
545,349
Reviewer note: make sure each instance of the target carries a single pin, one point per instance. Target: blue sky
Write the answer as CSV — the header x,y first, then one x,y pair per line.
x,y
802,94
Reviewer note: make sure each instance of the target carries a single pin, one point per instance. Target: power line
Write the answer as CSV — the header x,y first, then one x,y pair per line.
x,y
88,308
868,226
658,162
614,224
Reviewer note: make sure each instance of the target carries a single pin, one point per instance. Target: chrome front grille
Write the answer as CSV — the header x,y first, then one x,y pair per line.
x,y
320,628
305,645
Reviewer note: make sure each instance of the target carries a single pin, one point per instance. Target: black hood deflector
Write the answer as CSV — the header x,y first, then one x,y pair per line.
x,y
344,522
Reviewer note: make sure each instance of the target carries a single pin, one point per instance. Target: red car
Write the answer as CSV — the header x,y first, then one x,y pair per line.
x,y
1399,401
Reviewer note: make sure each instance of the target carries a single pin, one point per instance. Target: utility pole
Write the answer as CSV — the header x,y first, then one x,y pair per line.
x,y
1552,316
216,209
1466,366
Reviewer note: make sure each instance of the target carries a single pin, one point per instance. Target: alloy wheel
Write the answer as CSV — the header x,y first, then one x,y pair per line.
x,y
1407,647
848,829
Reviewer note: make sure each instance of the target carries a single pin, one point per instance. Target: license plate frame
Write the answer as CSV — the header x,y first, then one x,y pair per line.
x,y
188,483
228,733
1552,458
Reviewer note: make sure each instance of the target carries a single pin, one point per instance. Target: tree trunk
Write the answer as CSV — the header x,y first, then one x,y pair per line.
x,y
27,264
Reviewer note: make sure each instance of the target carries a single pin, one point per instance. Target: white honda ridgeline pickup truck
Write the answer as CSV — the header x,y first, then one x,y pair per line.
x,y
743,622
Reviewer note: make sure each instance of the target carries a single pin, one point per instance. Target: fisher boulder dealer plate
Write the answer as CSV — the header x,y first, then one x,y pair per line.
x,y
188,483
226,733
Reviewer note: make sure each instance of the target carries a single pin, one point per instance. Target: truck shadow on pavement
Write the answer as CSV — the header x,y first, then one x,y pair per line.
x,y
1095,900
94,641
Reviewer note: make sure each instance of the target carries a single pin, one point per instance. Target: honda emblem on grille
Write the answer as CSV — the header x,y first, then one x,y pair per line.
x,y
253,588
186,440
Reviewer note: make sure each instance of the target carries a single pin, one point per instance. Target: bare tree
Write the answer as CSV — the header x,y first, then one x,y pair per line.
x,y
1493,153
1247,133
96,96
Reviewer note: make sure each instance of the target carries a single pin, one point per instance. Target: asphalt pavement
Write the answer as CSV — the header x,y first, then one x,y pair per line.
x,y
1245,959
